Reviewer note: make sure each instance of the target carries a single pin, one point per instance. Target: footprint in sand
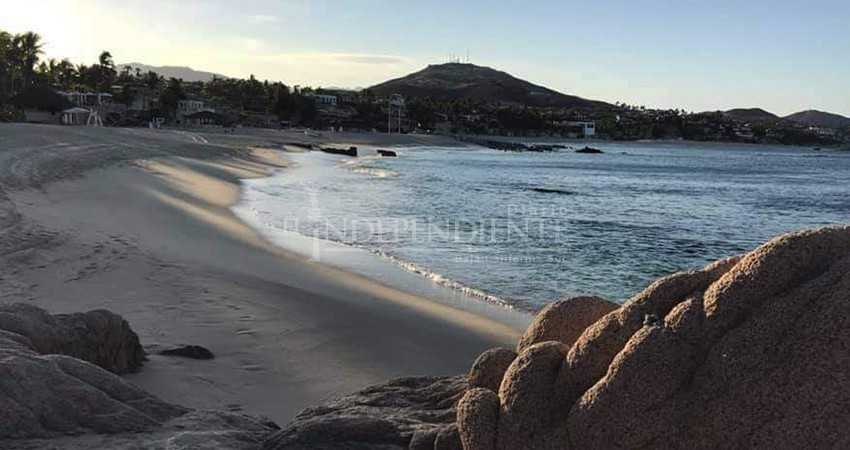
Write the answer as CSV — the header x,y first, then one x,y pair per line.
x,y
253,368
247,331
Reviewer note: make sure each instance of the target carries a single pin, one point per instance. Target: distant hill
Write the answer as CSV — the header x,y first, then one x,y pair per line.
x,y
467,81
819,118
186,73
750,114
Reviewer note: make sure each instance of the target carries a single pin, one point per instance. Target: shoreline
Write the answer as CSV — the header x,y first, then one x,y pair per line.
x,y
157,243
583,141
381,267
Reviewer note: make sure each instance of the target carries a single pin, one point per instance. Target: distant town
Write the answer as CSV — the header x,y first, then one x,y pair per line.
x,y
449,99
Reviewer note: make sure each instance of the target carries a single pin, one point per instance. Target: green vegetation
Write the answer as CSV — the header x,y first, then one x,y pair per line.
x,y
448,99
22,67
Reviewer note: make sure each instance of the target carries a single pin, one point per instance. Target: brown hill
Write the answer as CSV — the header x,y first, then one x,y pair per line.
x,y
458,81
751,114
819,118
187,74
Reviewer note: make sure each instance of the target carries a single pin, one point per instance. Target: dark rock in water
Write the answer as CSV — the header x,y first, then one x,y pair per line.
x,y
508,146
392,415
389,153
51,400
499,145
303,145
589,150
351,151
546,147
552,191
189,351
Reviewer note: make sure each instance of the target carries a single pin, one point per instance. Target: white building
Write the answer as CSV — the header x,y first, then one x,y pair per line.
x,y
587,128
76,116
324,99
84,99
144,99
189,107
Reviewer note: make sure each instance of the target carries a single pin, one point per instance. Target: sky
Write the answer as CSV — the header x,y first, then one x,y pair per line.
x,y
784,56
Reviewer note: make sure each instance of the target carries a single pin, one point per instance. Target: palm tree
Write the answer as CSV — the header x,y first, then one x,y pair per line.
x,y
26,51
153,81
6,69
105,60
171,95
66,74
107,73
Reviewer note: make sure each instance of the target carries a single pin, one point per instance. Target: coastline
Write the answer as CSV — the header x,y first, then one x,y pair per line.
x,y
385,268
157,243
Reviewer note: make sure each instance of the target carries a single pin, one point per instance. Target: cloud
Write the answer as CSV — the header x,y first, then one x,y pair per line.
x,y
247,44
338,58
265,18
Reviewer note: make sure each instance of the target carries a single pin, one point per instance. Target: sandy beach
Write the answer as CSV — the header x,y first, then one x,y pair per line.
x,y
138,222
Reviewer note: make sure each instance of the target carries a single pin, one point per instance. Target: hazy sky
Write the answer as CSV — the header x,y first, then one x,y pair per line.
x,y
697,55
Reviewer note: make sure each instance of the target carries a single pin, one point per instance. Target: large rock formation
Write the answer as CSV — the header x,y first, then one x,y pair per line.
x,y
565,320
58,389
749,352
99,337
407,412
489,368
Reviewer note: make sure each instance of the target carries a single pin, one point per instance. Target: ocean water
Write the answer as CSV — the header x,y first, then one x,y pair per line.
x,y
523,229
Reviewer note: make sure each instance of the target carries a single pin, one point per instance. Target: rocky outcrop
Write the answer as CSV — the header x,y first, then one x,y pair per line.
x,y
489,368
193,430
565,320
59,389
99,337
418,412
749,352
478,419
527,406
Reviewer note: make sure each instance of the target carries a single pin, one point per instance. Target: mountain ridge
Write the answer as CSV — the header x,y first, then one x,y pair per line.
x,y
185,73
819,118
460,81
752,114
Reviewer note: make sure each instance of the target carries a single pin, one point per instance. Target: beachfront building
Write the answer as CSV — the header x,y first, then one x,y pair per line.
x,y
325,99
586,129
41,105
76,116
576,128
144,99
101,105
190,107
84,99
204,118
